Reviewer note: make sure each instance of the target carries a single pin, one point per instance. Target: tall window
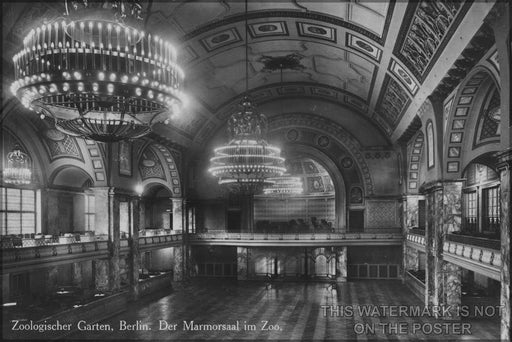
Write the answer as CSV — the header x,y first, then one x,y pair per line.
x,y
89,212
17,211
430,145
481,199
470,212
491,209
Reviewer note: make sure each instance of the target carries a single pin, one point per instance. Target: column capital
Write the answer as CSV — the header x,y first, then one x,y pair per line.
x,y
438,184
406,197
504,159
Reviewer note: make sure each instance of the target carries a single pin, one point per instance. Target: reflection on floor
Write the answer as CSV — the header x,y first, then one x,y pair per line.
x,y
294,309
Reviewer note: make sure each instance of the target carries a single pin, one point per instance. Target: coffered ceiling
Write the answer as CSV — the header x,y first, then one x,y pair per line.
x,y
372,63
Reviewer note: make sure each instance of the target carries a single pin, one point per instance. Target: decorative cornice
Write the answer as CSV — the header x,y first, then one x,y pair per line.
x,y
266,14
438,184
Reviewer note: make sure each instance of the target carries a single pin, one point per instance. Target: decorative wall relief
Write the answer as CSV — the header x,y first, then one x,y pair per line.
x,y
382,214
392,102
316,31
452,204
125,159
404,77
265,29
150,166
356,195
62,145
172,159
347,162
490,118
426,33
363,46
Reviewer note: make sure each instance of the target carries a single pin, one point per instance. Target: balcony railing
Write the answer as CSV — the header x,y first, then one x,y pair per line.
x,y
475,241
39,250
417,237
477,254
371,234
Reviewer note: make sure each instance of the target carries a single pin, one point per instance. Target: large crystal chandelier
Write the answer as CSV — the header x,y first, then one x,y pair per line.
x,y
18,170
284,185
247,162
97,74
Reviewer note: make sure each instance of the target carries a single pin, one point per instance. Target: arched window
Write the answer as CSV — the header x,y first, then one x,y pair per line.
x,y
430,145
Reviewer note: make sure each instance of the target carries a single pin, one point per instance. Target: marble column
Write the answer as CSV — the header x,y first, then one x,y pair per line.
x,y
134,257
410,211
52,278
410,218
412,262
177,214
178,273
452,279
504,166
430,250
242,261
114,241
101,274
341,264
443,217
500,20
77,277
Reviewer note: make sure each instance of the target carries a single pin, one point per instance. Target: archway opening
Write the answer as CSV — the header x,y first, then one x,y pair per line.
x,y
157,209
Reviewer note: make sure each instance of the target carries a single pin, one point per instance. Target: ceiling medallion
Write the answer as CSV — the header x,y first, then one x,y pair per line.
x,y
278,63
97,74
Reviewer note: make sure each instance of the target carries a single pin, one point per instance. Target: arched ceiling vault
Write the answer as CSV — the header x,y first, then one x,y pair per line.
x,y
378,60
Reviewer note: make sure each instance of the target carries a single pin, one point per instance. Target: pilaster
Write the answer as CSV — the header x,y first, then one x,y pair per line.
x,y
134,257
77,275
178,274
242,261
341,264
443,216
114,241
177,214
101,274
504,167
452,280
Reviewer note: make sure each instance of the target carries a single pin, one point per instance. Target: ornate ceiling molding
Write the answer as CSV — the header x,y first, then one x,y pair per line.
x,y
266,14
425,31
330,129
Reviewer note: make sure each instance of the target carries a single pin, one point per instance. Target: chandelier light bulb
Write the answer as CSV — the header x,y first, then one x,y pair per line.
x,y
108,60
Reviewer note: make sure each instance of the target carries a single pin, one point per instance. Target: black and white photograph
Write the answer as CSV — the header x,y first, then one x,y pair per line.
x,y
290,170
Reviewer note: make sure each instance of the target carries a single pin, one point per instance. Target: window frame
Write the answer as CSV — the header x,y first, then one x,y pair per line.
x,y
4,230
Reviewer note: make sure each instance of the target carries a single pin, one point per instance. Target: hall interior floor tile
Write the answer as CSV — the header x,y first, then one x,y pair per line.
x,y
294,309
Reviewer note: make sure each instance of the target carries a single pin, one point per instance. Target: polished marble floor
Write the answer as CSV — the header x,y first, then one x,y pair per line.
x,y
294,311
